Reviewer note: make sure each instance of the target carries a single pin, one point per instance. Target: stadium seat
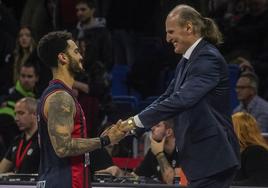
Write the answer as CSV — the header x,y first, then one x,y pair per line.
x,y
119,80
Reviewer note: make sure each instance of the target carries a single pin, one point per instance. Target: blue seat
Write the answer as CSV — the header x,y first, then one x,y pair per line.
x,y
132,100
119,79
146,102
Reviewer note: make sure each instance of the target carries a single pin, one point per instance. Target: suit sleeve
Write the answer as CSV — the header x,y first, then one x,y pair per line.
x,y
203,75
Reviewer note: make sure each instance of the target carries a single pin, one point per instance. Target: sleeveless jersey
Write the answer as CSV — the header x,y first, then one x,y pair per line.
x,y
67,172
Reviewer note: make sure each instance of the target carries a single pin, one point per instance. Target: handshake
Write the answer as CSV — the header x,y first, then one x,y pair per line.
x,y
117,132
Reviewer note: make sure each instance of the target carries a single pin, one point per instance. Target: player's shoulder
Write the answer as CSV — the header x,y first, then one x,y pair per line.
x,y
59,96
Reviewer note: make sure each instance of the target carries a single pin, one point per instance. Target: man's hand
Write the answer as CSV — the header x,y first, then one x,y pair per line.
x,y
124,126
127,125
115,133
113,170
157,147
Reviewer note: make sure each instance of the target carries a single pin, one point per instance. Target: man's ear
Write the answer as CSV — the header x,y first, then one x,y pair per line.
x,y
63,58
189,27
169,132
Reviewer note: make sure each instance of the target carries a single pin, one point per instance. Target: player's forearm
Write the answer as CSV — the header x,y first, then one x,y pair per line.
x,y
166,170
76,146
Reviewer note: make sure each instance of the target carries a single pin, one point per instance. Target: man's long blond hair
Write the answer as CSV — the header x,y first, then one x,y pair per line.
x,y
247,130
204,26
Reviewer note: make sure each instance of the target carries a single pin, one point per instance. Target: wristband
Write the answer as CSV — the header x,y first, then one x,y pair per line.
x,y
104,141
159,153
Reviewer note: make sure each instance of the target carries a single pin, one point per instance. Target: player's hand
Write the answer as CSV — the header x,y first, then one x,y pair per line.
x,y
157,147
115,133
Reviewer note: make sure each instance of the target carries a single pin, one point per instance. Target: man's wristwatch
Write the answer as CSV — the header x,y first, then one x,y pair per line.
x,y
131,122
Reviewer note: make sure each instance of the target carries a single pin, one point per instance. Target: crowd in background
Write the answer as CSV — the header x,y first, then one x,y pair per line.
x,y
111,33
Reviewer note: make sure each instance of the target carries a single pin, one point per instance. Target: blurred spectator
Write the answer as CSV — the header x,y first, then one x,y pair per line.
x,y
23,154
244,64
95,43
25,45
8,22
8,32
254,152
15,7
6,48
94,93
95,34
162,160
250,32
247,87
24,88
36,15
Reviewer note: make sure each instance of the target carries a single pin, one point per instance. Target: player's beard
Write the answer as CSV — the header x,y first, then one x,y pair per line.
x,y
74,67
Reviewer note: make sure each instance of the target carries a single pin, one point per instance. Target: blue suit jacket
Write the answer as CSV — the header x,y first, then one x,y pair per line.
x,y
199,100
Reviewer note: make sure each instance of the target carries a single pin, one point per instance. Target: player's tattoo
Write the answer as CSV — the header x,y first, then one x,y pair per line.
x,y
61,112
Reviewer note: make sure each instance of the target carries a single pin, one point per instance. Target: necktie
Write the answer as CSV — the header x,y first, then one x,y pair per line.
x,y
180,67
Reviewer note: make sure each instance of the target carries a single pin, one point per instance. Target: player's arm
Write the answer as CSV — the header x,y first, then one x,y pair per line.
x,y
60,110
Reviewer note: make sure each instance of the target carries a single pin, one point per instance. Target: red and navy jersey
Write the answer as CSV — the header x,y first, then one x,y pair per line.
x,y
67,172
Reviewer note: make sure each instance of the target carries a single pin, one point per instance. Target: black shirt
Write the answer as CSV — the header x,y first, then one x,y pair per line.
x,y
254,167
30,159
100,159
149,167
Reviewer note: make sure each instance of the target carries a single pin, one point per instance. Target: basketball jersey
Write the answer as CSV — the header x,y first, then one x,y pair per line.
x,y
67,172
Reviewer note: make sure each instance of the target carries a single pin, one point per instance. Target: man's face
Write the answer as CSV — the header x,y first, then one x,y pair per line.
x,y
83,12
75,59
159,131
25,120
244,89
177,35
28,78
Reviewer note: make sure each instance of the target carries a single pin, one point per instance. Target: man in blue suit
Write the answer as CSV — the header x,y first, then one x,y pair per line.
x,y
199,99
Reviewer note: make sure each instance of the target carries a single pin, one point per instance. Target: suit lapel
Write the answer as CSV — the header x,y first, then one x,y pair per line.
x,y
182,73
180,69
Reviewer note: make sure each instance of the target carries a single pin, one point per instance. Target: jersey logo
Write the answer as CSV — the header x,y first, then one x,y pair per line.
x,y
30,151
87,159
14,148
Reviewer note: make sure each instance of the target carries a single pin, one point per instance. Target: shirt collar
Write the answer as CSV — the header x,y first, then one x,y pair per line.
x,y
189,51
252,103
